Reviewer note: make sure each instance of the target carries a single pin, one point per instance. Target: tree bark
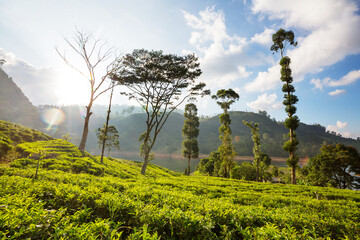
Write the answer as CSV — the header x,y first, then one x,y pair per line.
x,y
188,170
86,129
106,126
146,162
293,175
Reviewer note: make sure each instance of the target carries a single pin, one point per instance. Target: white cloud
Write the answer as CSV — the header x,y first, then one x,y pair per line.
x,y
337,92
265,80
331,36
264,38
320,83
38,84
265,102
222,58
341,125
349,78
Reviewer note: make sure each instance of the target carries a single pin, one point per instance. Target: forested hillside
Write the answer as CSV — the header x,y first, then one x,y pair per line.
x,y
273,133
14,105
130,123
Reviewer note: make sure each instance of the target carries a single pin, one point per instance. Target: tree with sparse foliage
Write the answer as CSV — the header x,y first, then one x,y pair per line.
x,y
261,160
111,135
159,83
190,131
281,40
106,127
94,54
66,137
224,98
336,166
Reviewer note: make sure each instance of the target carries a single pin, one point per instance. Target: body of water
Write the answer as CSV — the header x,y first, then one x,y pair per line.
x,y
178,164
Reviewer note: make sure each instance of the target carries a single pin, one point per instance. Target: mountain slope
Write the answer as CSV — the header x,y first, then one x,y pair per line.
x,y
14,105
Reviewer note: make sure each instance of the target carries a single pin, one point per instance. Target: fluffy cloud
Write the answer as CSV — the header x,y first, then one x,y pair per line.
x,y
264,38
340,127
265,80
337,92
348,79
331,36
38,84
265,102
222,59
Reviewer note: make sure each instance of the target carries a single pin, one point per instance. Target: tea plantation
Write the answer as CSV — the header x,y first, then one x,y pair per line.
x,y
78,197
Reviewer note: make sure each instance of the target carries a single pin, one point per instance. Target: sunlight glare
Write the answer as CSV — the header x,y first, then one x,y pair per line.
x,y
53,117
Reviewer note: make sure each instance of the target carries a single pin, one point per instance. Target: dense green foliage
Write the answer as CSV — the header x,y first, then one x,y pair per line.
x,y
190,131
280,39
335,166
211,165
78,197
12,134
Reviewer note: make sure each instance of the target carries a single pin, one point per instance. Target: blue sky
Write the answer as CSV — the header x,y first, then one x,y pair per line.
x,y
231,38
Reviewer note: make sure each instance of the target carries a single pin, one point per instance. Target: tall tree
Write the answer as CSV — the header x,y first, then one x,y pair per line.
x,y
107,124
261,160
92,52
190,131
256,149
112,138
224,98
336,165
159,83
281,40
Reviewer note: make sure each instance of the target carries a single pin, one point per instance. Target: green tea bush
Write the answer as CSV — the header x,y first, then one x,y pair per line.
x,y
78,197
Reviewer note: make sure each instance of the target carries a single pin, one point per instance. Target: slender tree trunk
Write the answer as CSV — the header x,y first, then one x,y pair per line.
x,y
146,162
292,155
293,175
257,171
37,167
106,125
188,170
86,128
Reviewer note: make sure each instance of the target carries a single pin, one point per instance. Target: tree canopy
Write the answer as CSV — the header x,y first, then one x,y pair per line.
x,y
159,83
336,165
190,131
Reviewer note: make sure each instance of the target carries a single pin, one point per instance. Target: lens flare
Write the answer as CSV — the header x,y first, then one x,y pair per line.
x,y
53,117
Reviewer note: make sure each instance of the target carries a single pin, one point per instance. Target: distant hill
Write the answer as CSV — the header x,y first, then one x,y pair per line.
x,y
14,105
273,134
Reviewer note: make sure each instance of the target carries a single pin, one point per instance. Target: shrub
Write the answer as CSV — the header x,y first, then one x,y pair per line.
x,y
245,171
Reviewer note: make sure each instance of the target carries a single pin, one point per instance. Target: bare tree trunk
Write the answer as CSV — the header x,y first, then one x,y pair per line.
x,y
146,162
86,128
188,170
106,125
292,155
293,175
